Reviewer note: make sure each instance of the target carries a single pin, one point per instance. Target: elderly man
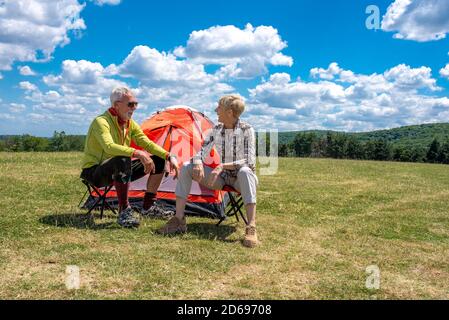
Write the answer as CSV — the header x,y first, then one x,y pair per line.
x,y
235,143
107,155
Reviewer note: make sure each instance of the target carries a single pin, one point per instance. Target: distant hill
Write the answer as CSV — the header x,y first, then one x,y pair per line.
x,y
417,135
8,136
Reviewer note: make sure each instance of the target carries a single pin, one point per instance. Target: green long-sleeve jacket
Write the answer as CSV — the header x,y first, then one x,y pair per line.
x,y
105,139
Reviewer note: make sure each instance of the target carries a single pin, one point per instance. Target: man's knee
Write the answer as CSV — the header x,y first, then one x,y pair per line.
x,y
121,162
246,174
122,169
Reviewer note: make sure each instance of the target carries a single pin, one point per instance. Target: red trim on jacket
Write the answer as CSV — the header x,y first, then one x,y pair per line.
x,y
115,114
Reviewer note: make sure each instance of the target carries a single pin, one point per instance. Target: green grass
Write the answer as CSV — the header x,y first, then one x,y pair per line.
x,y
321,223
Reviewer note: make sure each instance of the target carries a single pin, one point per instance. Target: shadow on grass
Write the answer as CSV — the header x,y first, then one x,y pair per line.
x,y
76,220
210,231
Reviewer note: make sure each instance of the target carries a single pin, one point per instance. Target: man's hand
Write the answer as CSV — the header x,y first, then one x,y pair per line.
x,y
174,165
198,172
146,160
212,178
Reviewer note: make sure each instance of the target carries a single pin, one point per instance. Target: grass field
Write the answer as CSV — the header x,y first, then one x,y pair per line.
x,y
321,223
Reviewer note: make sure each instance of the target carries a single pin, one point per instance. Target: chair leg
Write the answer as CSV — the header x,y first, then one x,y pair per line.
x,y
94,205
233,206
90,190
101,199
108,206
85,193
219,222
236,208
106,202
102,206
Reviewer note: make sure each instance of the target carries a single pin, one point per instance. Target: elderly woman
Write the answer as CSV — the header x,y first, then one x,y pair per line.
x,y
234,141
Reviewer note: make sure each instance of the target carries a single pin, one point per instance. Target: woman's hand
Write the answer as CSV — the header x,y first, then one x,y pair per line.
x,y
212,178
198,172
173,162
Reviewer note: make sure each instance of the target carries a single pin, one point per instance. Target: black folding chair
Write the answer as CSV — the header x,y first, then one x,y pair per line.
x,y
234,207
100,194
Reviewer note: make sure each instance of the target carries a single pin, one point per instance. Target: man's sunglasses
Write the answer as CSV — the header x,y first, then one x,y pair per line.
x,y
133,104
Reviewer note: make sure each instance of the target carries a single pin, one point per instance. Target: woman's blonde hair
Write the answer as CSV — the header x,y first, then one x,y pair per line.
x,y
233,102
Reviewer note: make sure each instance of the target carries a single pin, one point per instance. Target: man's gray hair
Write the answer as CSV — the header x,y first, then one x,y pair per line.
x,y
118,93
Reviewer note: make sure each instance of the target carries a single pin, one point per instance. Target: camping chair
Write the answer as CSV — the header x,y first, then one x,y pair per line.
x,y
101,200
234,207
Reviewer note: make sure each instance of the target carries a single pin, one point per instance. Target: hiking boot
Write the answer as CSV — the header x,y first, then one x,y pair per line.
x,y
173,226
157,211
127,219
250,240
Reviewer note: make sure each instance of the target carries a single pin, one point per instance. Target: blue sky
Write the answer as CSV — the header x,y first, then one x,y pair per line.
x,y
298,64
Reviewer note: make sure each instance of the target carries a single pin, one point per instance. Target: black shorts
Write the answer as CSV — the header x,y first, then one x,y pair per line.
x,y
120,169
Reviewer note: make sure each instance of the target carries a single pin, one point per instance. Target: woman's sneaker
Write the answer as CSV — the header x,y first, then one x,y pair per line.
x,y
127,219
173,226
250,240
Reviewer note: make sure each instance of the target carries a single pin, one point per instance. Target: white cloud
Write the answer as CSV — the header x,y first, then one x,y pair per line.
x,y
202,99
280,92
411,78
328,73
332,72
26,71
106,2
280,59
81,90
444,72
367,102
160,69
419,20
17,107
79,93
77,72
31,30
166,80
54,106
245,53
401,76
84,78
27,86
8,117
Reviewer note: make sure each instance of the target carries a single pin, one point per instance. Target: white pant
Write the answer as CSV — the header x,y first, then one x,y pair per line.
x,y
246,182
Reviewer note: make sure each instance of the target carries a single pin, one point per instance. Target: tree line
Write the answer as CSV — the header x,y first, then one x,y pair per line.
x,y
58,142
345,146
305,144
